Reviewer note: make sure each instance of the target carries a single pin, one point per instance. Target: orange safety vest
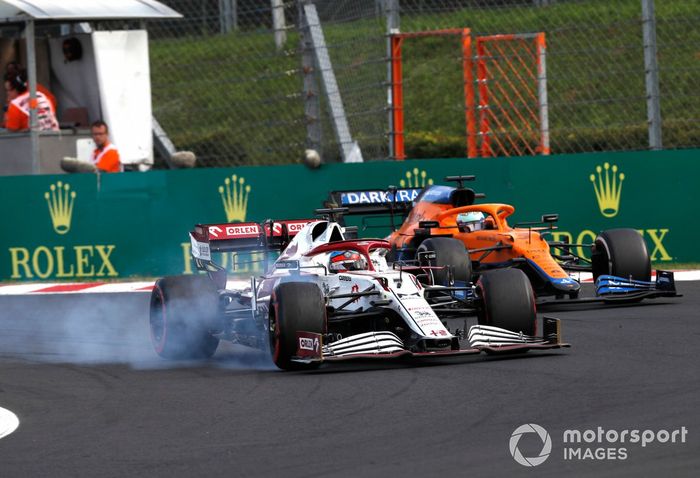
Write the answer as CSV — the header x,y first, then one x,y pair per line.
x,y
17,115
107,159
48,94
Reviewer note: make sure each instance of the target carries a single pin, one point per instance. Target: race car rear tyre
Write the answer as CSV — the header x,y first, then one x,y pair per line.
x,y
507,301
184,311
448,252
621,253
294,307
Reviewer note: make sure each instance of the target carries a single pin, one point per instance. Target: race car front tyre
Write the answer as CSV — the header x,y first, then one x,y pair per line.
x,y
184,312
449,252
507,301
294,307
621,253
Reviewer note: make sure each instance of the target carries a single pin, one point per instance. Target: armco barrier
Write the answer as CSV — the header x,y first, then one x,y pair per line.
x,y
81,227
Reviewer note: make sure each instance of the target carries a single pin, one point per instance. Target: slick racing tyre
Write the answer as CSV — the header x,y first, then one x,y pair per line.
x,y
508,301
448,252
294,307
621,253
184,313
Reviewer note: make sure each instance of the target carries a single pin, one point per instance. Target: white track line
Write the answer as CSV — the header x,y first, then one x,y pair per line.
x,y
678,275
8,422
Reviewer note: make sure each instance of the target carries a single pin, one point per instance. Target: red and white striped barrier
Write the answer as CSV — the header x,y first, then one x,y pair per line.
x,y
89,288
75,288
121,287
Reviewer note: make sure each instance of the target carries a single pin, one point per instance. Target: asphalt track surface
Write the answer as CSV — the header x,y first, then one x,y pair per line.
x,y
93,400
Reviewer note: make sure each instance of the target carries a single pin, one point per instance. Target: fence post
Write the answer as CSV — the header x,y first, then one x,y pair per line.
x,y
203,18
278,23
311,93
469,106
349,149
543,106
30,33
228,18
651,75
393,25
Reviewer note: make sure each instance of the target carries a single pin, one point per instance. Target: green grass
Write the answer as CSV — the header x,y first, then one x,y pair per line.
x,y
234,99
217,96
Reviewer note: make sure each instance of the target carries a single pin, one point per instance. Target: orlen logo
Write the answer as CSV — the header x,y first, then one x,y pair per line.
x,y
306,343
292,227
242,230
223,231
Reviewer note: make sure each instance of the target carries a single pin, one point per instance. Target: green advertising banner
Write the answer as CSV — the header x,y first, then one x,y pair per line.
x,y
86,227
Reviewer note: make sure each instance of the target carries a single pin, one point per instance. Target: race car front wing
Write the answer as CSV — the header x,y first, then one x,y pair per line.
x,y
611,289
386,345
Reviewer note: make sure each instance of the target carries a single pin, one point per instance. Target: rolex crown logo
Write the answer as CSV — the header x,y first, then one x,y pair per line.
x,y
416,179
234,196
60,200
608,187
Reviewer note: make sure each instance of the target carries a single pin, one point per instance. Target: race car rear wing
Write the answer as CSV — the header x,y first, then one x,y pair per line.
x,y
395,200
374,201
243,237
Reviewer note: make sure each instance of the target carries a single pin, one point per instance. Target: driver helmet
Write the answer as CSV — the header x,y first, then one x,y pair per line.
x,y
342,261
473,219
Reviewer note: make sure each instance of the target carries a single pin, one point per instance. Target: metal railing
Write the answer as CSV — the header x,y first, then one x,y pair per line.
x,y
235,80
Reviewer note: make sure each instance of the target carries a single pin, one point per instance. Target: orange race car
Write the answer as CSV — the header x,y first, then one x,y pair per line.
x,y
437,215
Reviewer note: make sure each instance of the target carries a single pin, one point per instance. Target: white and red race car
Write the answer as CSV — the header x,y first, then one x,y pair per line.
x,y
327,298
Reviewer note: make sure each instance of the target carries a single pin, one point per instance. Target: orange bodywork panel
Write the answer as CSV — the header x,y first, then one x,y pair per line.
x,y
520,242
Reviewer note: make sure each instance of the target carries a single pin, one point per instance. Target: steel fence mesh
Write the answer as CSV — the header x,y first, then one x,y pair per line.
x,y
595,69
595,64
678,39
222,88
509,95
356,38
434,116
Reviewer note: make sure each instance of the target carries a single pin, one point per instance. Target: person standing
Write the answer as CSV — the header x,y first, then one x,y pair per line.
x,y
18,105
106,156
13,69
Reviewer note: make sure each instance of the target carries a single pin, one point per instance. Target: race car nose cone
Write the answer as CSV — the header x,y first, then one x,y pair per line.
x,y
567,284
